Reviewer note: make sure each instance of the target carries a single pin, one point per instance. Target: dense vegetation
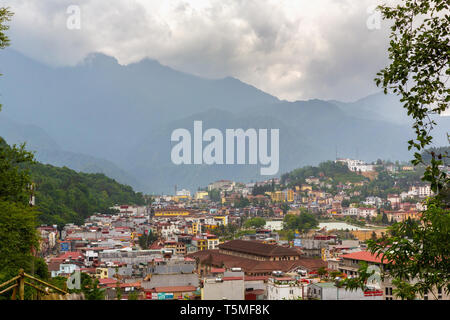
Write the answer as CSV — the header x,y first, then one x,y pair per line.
x,y
417,251
302,222
66,196
338,172
18,235
256,222
262,189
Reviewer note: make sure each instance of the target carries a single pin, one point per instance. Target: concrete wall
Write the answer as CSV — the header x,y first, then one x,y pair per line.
x,y
228,289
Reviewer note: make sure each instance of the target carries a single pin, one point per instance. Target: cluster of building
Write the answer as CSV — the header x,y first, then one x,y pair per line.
x,y
170,249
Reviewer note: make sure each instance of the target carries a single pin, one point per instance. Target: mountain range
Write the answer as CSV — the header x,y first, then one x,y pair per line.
x,y
100,116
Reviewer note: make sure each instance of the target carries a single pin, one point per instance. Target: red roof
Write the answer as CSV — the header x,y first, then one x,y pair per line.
x,y
124,285
256,278
107,281
364,256
283,278
232,278
69,254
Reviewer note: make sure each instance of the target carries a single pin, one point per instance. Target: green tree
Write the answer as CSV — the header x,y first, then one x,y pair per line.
x,y
303,222
18,238
417,252
146,240
214,195
90,288
133,295
420,54
321,272
384,219
5,16
256,222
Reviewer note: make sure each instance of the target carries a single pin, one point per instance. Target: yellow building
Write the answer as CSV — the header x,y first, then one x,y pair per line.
x,y
306,187
294,211
277,196
290,195
195,227
181,198
101,273
202,244
200,195
222,219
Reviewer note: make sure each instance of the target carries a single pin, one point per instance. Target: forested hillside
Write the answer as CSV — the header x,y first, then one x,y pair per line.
x,y
66,196
338,172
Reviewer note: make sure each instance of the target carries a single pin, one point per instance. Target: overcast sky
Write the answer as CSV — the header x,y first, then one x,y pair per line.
x,y
293,49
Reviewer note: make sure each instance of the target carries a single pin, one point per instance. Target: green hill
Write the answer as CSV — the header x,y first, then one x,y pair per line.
x,y
337,172
66,196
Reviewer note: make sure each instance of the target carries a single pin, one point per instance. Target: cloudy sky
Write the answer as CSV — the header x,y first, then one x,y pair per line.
x,y
293,49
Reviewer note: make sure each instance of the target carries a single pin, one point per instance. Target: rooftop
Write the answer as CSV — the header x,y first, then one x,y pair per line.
x,y
258,248
364,256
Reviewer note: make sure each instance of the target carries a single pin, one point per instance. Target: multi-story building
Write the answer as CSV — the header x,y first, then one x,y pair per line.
x,y
329,291
229,287
285,288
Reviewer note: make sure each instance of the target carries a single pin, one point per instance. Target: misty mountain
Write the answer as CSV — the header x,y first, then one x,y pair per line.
x,y
47,151
310,132
100,109
99,106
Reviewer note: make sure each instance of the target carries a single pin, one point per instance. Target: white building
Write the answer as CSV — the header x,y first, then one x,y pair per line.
x,y
367,212
226,288
350,211
357,165
131,210
183,192
64,269
420,191
285,288
328,291
373,201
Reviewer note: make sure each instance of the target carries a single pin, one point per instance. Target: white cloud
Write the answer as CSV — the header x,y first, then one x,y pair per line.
x,y
294,49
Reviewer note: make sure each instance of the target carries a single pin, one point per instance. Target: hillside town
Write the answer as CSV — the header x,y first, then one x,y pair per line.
x,y
288,238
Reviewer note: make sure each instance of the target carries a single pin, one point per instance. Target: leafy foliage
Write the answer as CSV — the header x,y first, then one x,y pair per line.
x,y
14,179
18,238
338,172
417,251
66,196
146,240
262,189
90,288
420,54
302,222
256,222
423,255
214,195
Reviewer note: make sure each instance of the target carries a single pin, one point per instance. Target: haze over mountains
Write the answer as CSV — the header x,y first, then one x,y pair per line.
x,y
100,116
